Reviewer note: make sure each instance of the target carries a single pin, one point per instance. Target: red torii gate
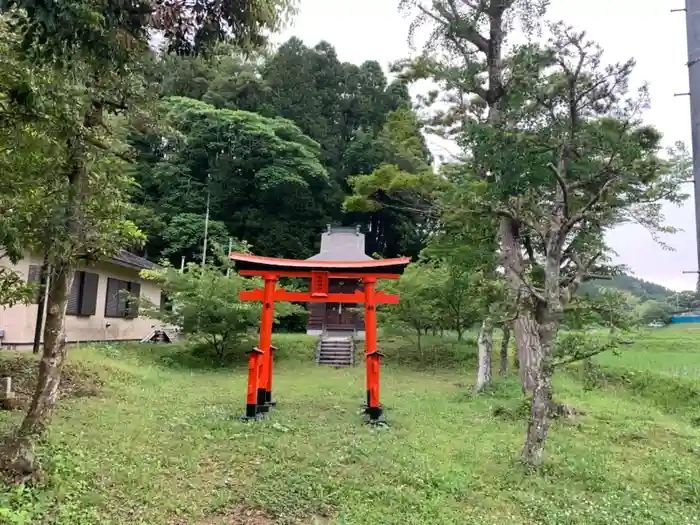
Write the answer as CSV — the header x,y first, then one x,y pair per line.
x,y
259,394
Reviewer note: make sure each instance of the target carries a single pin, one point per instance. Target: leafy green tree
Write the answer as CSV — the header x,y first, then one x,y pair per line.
x,y
476,75
65,188
68,70
418,309
534,125
203,304
627,283
683,301
184,236
264,177
585,163
655,311
13,288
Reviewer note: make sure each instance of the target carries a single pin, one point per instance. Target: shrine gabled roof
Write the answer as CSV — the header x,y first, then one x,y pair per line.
x,y
342,244
253,263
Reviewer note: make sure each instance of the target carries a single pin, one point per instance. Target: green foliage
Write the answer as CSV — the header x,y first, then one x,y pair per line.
x,y
310,87
184,236
13,288
110,34
655,311
263,175
65,184
203,304
684,301
417,310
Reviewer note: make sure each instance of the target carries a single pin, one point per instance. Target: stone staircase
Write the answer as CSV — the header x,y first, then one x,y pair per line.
x,y
335,351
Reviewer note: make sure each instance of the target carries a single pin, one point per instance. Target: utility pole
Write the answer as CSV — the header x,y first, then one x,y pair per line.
x,y
43,289
206,223
692,22
228,256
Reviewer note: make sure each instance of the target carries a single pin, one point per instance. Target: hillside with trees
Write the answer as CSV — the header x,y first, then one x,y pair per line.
x,y
639,288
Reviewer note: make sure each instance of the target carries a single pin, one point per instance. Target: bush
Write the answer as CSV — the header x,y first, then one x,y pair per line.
x,y
203,302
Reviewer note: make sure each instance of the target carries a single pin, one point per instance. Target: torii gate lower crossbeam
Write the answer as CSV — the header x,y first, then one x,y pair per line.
x,y
260,363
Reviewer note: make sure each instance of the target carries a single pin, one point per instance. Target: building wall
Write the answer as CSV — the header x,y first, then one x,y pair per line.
x,y
19,321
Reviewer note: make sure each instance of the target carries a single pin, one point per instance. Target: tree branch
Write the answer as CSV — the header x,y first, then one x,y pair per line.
x,y
578,217
581,356
99,144
563,186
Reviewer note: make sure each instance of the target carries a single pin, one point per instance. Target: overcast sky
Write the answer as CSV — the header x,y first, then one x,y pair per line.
x,y
644,29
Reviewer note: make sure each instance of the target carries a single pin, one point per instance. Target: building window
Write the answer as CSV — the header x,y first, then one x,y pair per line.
x,y
83,294
122,298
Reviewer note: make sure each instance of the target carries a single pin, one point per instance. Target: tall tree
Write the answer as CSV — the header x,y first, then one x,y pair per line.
x,y
578,161
84,63
477,78
264,177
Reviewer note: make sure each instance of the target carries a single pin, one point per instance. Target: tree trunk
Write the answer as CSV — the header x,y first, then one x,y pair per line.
x,y
460,333
17,456
485,344
548,309
538,424
44,400
526,346
503,362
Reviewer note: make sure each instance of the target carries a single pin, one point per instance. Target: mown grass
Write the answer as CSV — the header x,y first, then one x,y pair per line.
x,y
163,445
672,351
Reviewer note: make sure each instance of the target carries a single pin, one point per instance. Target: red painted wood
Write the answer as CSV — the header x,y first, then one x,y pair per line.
x,y
340,274
371,355
258,362
307,297
253,367
319,284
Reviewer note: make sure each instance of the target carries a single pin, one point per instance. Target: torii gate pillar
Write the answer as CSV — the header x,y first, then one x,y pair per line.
x,y
372,356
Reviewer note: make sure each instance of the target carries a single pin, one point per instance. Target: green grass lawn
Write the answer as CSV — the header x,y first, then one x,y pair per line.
x,y
162,444
673,350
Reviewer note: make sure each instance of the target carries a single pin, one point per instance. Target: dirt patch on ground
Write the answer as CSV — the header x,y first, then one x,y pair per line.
x,y
246,516
236,516
76,380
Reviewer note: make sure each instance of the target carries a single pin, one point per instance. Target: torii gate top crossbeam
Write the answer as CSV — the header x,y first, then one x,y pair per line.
x,y
251,265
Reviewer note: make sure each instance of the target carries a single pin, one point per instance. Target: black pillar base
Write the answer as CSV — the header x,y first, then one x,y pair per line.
x,y
252,414
262,407
268,399
257,417
375,416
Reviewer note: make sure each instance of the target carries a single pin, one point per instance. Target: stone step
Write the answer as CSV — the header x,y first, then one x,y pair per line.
x,y
336,351
335,363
